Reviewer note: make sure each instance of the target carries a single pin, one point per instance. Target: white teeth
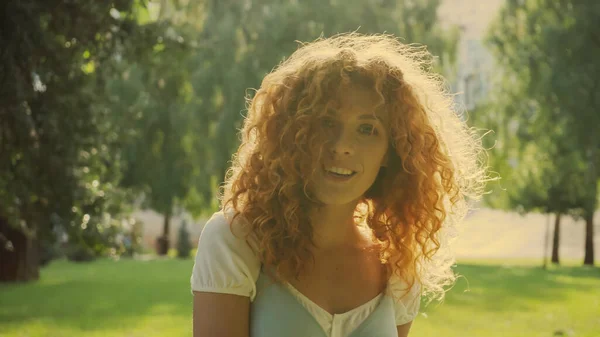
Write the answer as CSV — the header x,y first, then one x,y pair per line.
x,y
340,170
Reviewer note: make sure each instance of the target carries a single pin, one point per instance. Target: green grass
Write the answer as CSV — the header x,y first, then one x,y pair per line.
x,y
495,298
104,298
130,298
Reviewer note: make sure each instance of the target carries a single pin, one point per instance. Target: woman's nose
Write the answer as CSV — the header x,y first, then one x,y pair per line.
x,y
342,143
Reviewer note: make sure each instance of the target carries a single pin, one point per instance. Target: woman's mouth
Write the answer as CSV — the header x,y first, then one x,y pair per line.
x,y
339,173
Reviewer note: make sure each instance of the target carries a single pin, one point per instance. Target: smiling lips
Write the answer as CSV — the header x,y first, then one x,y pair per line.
x,y
339,173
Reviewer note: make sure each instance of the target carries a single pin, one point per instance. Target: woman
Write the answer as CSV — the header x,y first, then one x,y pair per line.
x,y
352,167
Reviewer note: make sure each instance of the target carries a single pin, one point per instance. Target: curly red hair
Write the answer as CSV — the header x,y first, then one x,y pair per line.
x,y
434,168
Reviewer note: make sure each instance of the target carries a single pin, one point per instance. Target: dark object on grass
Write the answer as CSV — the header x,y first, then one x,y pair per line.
x,y
183,241
162,245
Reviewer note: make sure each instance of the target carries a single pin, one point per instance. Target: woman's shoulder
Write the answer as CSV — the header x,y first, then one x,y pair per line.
x,y
227,226
226,260
406,297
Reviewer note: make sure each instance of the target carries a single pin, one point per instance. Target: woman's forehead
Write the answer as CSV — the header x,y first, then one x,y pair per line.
x,y
354,99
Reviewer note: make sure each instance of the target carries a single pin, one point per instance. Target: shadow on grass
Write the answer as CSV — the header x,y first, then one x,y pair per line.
x,y
100,295
497,288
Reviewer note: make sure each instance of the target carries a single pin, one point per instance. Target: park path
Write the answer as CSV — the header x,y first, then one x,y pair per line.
x,y
497,234
484,234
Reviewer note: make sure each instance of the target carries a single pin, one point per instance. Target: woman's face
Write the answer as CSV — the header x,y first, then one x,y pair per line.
x,y
356,146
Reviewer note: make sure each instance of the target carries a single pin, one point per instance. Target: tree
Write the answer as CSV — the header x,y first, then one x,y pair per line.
x,y
165,141
548,52
549,179
57,167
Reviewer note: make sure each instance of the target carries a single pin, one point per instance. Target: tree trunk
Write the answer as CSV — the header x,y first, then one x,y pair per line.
x,y
588,259
163,241
546,244
556,239
592,178
19,260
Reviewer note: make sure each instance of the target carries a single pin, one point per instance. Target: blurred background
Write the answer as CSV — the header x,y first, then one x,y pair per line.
x,y
118,120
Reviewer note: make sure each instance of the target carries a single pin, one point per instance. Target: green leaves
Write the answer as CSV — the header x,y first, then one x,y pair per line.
x,y
58,164
548,89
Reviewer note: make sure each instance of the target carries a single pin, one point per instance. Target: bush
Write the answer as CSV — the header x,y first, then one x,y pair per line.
x,y
48,252
79,252
131,240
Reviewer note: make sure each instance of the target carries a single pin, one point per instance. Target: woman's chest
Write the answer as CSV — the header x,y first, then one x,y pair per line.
x,y
279,311
342,281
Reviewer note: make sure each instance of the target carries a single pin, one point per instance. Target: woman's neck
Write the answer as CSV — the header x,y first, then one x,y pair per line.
x,y
334,226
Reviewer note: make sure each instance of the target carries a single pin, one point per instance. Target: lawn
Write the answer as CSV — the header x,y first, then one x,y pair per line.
x,y
130,298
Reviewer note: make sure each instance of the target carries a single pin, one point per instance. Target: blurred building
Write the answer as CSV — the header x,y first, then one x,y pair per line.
x,y
475,64
152,224
475,68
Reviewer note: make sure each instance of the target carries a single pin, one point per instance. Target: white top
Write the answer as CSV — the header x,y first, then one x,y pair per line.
x,y
226,263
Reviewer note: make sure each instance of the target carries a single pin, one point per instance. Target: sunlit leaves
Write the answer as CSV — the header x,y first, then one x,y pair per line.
x,y
548,88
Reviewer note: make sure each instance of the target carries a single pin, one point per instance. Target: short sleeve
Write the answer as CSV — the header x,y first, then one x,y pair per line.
x,y
225,263
406,306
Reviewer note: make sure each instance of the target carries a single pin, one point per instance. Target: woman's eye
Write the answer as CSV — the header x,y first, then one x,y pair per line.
x,y
328,123
367,129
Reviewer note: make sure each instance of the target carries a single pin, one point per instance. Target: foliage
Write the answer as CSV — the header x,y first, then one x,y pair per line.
x,y
547,91
547,107
152,101
549,180
58,164
155,94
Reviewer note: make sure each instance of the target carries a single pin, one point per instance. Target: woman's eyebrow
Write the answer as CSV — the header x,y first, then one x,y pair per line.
x,y
335,113
372,117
